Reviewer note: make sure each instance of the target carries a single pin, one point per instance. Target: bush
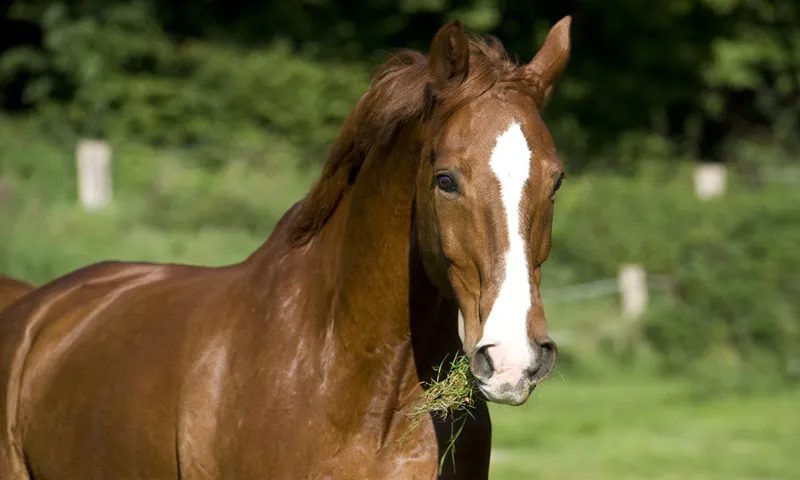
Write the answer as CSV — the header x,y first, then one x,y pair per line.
x,y
734,263
738,295
117,74
605,219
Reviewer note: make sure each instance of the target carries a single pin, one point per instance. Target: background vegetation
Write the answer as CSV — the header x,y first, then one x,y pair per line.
x,y
220,115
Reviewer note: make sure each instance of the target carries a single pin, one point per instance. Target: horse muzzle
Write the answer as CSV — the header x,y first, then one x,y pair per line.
x,y
503,380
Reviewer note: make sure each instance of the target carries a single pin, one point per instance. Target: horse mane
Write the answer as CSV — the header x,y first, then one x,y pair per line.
x,y
401,94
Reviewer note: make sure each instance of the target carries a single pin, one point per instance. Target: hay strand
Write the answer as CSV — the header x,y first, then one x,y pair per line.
x,y
447,397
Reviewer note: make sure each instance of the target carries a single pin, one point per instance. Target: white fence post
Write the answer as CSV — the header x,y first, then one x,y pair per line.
x,y
94,173
633,290
709,180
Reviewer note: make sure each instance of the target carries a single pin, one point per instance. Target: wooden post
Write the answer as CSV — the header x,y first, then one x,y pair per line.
x,y
633,290
94,173
709,180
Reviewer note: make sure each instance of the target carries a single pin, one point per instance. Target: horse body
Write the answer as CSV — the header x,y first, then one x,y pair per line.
x,y
303,361
188,392
10,290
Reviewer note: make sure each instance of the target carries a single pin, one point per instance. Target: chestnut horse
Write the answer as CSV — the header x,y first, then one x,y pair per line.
x,y
11,289
424,235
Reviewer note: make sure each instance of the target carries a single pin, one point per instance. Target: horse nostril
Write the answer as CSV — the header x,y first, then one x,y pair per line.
x,y
483,368
548,351
549,346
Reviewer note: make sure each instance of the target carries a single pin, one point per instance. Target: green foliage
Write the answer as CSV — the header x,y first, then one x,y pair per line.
x,y
214,75
128,80
738,298
733,261
603,220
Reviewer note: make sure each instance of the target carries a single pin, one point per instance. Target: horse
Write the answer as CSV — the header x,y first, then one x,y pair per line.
x,y
11,289
423,236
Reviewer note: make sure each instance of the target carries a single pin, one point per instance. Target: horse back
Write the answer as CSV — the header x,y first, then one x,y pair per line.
x,y
96,360
11,289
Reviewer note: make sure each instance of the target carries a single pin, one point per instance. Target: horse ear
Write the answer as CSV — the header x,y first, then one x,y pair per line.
x,y
550,61
449,55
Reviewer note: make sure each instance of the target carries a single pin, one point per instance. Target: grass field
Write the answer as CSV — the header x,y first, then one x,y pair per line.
x,y
644,428
600,420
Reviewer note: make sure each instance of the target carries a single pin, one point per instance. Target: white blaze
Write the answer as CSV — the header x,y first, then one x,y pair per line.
x,y
507,325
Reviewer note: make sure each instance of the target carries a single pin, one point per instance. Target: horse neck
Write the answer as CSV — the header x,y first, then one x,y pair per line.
x,y
377,314
385,314
381,285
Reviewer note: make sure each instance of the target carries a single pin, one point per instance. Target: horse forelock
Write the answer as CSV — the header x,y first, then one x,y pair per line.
x,y
400,95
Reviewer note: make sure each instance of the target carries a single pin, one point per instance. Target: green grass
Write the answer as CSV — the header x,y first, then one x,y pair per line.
x,y
450,394
598,419
644,428
447,394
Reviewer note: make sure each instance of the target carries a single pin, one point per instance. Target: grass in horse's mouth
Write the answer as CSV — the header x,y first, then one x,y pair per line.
x,y
452,396
448,395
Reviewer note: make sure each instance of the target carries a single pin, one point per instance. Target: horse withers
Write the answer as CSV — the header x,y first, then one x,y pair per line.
x,y
11,290
424,236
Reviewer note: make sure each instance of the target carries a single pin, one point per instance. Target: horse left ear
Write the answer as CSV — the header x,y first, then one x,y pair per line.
x,y
550,61
449,55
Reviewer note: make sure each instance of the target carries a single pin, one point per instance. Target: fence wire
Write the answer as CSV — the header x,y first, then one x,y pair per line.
x,y
601,288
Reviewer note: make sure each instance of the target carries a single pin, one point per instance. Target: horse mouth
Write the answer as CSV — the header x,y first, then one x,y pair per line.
x,y
513,396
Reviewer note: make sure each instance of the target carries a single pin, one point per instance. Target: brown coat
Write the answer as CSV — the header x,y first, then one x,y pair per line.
x,y
10,290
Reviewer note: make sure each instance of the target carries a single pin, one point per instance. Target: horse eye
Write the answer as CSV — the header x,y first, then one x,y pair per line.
x,y
558,184
446,183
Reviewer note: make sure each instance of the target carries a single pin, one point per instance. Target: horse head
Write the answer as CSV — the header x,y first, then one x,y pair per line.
x,y
486,188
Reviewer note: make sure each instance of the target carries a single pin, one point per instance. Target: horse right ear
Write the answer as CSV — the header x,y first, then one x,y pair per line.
x,y
550,61
449,55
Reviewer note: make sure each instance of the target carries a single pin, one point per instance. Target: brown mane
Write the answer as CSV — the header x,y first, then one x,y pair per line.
x,y
400,95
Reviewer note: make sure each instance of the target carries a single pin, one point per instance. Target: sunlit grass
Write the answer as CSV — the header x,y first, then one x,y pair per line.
x,y
642,427
449,395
